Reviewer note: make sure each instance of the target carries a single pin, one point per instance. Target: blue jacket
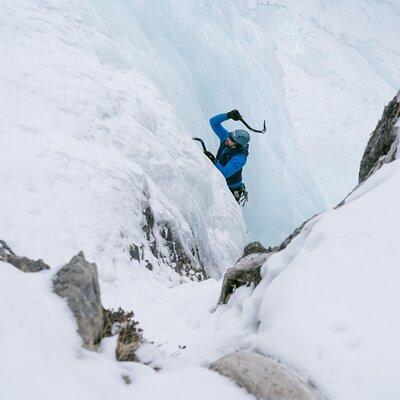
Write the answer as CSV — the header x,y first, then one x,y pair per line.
x,y
229,161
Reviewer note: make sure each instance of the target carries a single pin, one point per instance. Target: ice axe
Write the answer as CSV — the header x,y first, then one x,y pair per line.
x,y
210,156
235,115
252,129
202,143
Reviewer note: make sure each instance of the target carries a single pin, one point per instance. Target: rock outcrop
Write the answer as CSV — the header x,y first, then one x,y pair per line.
x,y
383,143
78,283
253,248
163,245
263,377
23,263
247,270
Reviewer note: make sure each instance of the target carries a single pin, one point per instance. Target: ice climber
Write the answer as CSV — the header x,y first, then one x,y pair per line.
x,y
232,153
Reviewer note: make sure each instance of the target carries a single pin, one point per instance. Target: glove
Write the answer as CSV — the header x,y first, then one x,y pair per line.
x,y
210,156
234,114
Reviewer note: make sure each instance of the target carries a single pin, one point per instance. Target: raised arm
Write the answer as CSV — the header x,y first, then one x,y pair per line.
x,y
216,122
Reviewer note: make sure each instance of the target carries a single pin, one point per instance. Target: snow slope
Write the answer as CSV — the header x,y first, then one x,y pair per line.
x,y
339,297
328,304
42,356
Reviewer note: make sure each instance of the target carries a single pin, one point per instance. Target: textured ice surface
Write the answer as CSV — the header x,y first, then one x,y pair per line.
x,y
208,57
87,142
340,63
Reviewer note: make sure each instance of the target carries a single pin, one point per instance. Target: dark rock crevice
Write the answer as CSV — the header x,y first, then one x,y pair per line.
x,y
164,246
382,145
246,272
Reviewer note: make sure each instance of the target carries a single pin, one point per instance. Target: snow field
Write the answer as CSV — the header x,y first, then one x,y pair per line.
x,y
42,356
327,306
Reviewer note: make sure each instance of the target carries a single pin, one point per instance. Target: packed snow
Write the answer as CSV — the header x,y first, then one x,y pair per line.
x,y
42,356
328,305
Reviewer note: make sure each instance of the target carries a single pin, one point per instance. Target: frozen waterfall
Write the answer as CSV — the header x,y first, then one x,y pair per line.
x,y
207,58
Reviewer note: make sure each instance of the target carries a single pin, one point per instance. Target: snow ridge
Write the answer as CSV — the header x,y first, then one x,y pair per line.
x,y
327,300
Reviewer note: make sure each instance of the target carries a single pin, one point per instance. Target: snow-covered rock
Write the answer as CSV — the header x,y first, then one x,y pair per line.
x,y
23,263
78,283
383,143
263,377
167,247
247,271
253,247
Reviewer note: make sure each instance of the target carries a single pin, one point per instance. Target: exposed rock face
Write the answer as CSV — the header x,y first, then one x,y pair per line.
x,y
254,247
382,145
163,245
263,377
247,271
22,263
78,283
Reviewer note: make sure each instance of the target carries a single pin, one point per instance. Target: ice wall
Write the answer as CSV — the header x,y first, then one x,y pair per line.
x,y
308,74
341,63
88,143
209,57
